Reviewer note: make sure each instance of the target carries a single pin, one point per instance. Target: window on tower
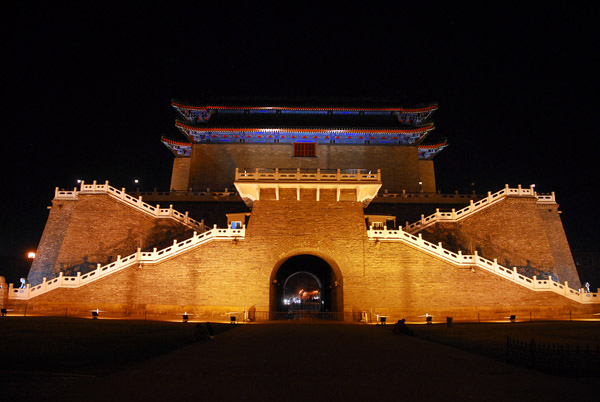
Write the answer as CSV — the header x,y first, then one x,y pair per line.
x,y
304,149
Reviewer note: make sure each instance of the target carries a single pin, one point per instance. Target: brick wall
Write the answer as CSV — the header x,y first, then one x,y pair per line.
x,y
517,232
51,240
427,175
181,174
96,229
564,265
387,278
213,165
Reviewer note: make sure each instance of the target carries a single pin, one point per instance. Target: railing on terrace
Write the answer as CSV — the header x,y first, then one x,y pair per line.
x,y
473,207
139,258
307,175
137,203
426,194
464,260
185,193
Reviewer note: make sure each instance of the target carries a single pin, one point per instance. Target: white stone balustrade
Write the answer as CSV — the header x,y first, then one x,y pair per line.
x,y
137,203
315,175
138,259
464,260
491,199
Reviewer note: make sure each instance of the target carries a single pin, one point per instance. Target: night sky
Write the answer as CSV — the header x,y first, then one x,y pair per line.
x,y
88,90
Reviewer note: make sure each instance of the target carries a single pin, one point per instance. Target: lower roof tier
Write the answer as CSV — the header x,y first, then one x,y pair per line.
x,y
184,149
318,135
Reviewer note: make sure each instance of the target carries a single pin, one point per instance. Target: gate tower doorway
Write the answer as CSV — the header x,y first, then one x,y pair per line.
x,y
305,286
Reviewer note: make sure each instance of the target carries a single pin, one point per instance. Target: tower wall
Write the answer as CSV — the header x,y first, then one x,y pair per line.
x,y
427,175
95,229
50,244
377,277
564,265
517,232
213,165
180,176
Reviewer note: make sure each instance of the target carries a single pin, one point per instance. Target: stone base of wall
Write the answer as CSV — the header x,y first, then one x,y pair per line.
x,y
261,313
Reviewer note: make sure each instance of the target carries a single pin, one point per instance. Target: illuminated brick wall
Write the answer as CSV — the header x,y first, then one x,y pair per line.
x,y
181,174
386,278
518,232
213,165
95,229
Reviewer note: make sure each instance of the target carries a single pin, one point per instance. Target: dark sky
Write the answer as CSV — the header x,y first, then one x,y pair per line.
x,y
88,89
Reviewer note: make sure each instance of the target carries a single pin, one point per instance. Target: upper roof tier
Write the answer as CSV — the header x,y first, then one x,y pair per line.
x,y
305,116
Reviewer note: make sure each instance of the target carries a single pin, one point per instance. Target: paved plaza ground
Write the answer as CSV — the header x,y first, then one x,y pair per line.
x,y
300,362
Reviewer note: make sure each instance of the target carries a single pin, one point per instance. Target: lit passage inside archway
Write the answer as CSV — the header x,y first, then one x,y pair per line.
x,y
302,291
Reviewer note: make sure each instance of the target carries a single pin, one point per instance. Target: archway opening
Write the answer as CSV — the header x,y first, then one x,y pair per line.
x,y
306,286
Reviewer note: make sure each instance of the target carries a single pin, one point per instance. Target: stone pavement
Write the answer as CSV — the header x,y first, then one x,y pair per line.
x,y
325,362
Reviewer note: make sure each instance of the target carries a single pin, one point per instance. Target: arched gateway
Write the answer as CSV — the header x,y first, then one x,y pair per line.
x,y
306,286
